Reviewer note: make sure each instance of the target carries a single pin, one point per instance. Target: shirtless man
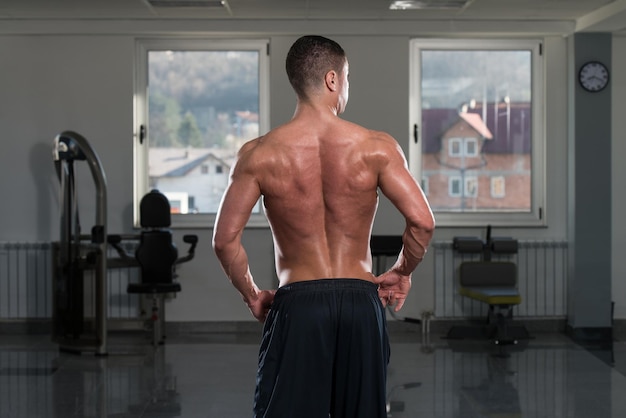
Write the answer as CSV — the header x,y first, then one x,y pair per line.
x,y
325,349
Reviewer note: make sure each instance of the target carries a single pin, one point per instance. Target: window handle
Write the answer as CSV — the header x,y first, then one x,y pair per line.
x,y
415,133
142,133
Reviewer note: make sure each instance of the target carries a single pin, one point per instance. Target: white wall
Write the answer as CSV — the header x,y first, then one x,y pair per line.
x,y
79,76
55,83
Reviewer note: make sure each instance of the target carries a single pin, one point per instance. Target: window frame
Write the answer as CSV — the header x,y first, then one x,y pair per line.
x,y
140,147
466,143
425,185
493,186
535,217
467,187
463,147
452,182
455,147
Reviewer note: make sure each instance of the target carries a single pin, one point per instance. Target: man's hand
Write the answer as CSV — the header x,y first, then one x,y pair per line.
x,y
260,307
393,288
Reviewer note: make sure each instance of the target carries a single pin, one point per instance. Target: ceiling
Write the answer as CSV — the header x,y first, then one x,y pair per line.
x,y
588,15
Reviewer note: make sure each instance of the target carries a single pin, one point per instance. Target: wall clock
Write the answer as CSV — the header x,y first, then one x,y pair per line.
x,y
593,76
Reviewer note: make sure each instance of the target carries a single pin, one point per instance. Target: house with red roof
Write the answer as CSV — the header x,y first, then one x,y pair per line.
x,y
477,160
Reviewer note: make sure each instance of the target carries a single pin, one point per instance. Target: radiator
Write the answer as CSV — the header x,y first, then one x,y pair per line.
x,y
542,280
26,284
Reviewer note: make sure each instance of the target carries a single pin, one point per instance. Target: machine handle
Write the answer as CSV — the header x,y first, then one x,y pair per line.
x,y
189,239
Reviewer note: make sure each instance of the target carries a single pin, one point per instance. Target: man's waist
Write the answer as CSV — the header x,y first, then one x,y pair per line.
x,y
328,283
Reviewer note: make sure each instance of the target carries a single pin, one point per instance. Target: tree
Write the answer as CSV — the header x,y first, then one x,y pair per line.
x,y
164,121
188,133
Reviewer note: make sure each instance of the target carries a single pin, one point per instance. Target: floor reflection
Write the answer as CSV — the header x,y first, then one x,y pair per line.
x,y
205,375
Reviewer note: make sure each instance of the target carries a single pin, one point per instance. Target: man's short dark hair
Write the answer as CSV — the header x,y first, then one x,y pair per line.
x,y
309,59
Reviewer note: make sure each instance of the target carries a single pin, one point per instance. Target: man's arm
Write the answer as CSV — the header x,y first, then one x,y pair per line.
x,y
240,196
400,187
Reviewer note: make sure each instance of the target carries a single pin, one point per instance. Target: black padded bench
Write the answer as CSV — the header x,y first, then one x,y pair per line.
x,y
493,283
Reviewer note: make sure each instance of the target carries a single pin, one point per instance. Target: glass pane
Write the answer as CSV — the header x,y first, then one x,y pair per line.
x,y
454,145
497,187
454,186
470,147
484,97
202,106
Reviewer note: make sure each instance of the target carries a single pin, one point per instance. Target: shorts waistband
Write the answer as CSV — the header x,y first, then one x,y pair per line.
x,y
329,284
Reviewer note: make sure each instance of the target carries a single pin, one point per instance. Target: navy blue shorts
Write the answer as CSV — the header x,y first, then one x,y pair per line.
x,y
324,352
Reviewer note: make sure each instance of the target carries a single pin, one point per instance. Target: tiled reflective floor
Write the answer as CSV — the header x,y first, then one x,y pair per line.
x,y
209,375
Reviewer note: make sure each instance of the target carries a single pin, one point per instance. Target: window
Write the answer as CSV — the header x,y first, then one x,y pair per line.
x,y
497,187
471,187
179,202
454,147
477,108
196,102
454,186
462,147
471,148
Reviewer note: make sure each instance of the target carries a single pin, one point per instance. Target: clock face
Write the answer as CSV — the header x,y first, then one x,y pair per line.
x,y
593,76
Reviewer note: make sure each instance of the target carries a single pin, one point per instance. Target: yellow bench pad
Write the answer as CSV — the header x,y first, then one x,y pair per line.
x,y
492,295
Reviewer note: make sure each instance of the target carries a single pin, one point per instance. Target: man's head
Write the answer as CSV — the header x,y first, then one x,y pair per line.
x,y
310,59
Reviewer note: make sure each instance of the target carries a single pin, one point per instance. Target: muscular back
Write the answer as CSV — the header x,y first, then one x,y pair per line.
x,y
319,185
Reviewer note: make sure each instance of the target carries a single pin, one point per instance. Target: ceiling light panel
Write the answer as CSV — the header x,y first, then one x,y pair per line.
x,y
427,4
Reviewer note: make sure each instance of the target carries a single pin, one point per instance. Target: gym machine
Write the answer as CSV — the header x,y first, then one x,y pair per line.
x,y
156,255
76,252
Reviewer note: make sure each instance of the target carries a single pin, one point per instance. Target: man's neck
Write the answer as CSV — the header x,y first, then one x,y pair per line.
x,y
315,108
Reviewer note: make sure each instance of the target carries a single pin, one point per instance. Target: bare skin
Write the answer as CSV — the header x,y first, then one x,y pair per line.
x,y
319,178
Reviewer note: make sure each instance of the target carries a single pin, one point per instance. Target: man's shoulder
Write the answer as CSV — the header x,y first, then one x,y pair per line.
x,y
382,137
378,139
380,148
257,153
362,132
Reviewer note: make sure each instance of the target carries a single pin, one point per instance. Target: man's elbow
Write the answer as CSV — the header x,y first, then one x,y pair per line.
x,y
429,225
220,244
425,225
